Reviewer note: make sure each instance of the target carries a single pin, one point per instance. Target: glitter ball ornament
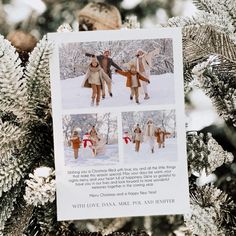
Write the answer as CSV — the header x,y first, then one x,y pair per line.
x,y
99,16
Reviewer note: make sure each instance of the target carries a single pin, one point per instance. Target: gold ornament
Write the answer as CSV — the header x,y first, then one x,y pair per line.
x,y
99,16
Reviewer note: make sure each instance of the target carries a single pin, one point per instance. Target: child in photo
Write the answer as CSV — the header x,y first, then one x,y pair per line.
x,y
160,134
75,140
133,81
137,137
143,63
94,78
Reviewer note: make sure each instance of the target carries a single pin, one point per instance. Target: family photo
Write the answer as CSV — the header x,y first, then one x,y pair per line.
x,y
117,73
90,139
149,136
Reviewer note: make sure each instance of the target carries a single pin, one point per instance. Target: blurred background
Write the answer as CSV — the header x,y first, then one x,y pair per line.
x,y
43,16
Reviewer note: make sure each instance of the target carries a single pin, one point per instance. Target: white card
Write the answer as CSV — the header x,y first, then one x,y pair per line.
x,y
122,154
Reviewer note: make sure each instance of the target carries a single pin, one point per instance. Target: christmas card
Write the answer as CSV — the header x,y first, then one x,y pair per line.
x,y
119,123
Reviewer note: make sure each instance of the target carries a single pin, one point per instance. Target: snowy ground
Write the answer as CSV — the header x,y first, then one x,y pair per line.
x,y
161,90
110,157
169,153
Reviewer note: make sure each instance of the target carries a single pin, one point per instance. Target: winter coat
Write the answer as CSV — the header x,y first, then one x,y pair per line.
x,y
128,75
160,136
102,76
110,63
137,134
146,60
75,142
152,131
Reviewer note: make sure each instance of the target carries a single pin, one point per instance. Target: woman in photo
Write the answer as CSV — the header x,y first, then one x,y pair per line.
x,y
137,137
95,139
94,78
150,131
75,140
143,63
106,62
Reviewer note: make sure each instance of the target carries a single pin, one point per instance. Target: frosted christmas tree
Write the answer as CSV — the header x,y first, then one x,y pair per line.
x,y
27,185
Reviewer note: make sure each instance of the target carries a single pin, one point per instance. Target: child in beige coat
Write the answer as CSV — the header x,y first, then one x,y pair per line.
x,y
94,79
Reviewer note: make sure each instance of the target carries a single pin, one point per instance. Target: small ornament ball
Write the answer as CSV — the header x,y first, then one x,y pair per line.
x,y
99,16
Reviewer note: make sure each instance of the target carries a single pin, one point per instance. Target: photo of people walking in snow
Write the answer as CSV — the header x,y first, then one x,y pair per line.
x,y
149,136
90,139
117,73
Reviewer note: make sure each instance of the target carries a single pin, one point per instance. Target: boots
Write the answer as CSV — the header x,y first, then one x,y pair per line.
x,y
146,96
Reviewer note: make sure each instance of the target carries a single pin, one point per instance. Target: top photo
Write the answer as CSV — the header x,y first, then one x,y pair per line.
x,y
117,73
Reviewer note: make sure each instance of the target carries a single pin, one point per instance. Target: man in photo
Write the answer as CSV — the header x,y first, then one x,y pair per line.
x,y
105,62
150,131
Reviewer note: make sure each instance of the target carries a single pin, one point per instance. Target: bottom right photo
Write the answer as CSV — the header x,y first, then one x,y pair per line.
x,y
149,136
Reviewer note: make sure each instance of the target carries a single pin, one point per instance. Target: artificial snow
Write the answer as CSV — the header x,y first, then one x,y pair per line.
x,y
161,92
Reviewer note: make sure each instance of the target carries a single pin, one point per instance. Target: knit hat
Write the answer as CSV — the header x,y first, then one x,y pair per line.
x,y
99,16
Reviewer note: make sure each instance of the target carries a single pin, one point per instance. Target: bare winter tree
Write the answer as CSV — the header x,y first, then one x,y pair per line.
x,y
105,124
74,63
162,119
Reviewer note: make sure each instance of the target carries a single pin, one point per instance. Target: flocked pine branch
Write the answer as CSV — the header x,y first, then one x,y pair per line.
x,y
211,212
220,87
8,201
211,31
10,136
37,76
205,154
12,86
203,19
12,170
219,14
225,8
26,120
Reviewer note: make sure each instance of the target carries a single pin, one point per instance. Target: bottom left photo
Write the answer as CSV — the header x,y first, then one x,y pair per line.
x,y
90,139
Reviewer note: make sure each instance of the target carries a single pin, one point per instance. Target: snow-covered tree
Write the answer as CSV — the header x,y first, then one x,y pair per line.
x,y
73,61
26,135
162,119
